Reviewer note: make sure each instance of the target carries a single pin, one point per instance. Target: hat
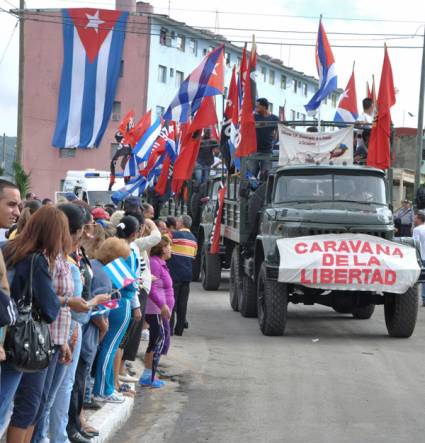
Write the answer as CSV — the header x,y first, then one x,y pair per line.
x,y
100,213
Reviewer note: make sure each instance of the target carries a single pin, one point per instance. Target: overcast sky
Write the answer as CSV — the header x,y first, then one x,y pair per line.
x,y
268,17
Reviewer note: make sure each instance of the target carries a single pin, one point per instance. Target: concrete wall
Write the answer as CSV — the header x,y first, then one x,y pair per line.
x,y
42,70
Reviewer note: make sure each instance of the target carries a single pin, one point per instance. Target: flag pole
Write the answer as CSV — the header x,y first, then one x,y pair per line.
x,y
419,134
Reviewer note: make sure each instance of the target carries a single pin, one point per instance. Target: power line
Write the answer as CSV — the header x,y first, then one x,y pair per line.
x,y
216,39
9,42
260,14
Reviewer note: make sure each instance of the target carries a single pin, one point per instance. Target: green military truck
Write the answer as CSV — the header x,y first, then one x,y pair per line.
x,y
317,205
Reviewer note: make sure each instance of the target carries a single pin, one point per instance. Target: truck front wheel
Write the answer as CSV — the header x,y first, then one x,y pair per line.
x,y
401,311
235,279
247,302
210,270
272,299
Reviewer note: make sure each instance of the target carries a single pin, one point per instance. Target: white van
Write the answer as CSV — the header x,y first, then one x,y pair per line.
x,y
90,186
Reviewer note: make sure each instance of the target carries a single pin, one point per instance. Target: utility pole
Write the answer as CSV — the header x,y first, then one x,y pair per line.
x,y
21,82
419,134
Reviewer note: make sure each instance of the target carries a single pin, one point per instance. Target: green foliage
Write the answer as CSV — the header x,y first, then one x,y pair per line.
x,y
22,179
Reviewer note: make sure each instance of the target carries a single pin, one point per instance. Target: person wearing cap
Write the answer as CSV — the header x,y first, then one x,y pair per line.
x,y
100,216
404,219
266,130
70,196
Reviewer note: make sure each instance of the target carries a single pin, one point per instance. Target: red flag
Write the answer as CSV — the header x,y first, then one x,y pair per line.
x,y
215,239
207,117
232,96
183,166
368,91
134,135
123,128
243,69
161,185
379,143
247,143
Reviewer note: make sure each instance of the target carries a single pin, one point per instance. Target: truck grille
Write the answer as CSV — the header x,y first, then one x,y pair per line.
x,y
381,234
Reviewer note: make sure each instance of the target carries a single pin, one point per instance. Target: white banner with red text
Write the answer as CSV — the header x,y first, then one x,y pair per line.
x,y
298,147
354,262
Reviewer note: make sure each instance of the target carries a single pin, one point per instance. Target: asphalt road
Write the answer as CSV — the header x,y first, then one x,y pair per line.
x,y
329,379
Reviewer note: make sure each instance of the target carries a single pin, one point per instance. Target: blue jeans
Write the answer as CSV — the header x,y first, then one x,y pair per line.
x,y
55,374
10,379
60,408
202,172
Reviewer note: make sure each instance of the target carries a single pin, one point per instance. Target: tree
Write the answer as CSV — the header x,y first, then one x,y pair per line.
x,y
22,179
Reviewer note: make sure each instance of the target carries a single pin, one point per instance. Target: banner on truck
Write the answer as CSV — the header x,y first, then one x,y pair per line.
x,y
298,147
354,262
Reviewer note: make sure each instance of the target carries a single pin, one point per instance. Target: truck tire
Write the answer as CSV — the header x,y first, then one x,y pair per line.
x,y
272,298
363,312
210,270
247,302
401,311
235,279
196,265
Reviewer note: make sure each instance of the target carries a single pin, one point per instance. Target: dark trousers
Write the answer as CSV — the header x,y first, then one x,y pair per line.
x,y
77,397
181,296
134,332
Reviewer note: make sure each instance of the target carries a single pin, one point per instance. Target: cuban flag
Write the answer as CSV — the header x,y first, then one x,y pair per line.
x,y
93,41
347,106
104,308
206,80
325,63
134,188
119,273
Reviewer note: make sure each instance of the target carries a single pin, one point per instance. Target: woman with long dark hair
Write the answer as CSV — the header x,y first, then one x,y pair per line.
x,y
44,238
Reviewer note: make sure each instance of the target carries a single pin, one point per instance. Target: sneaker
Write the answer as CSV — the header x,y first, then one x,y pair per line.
x,y
128,378
148,383
115,397
145,335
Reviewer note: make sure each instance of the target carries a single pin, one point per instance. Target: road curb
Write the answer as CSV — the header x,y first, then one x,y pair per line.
x,y
111,418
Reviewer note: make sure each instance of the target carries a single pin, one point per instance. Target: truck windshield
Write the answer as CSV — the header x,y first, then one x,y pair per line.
x,y
330,187
101,197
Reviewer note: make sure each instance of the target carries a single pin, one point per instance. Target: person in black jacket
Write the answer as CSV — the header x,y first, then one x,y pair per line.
x,y
47,235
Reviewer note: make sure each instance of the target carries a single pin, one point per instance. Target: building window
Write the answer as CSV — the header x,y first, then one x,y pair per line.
x,y
303,117
294,86
67,152
171,72
334,100
162,74
271,107
264,74
298,115
292,115
238,61
164,37
180,42
305,89
325,101
122,68
179,78
193,46
114,149
282,116
116,111
271,77
227,58
159,111
283,81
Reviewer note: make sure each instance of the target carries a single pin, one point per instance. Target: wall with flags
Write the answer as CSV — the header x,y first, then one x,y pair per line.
x,y
177,48
44,55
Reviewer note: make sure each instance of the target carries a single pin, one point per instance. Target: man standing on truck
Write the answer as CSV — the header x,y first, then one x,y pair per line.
x,y
180,265
419,237
205,156
267,135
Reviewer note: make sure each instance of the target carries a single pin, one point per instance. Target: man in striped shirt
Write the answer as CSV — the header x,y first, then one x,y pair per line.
x,y
180,265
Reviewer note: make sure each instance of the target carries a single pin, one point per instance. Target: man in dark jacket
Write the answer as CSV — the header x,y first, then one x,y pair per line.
x,y
205,156
180,265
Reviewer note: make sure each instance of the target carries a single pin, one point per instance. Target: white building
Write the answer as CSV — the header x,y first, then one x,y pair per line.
x,y
176,49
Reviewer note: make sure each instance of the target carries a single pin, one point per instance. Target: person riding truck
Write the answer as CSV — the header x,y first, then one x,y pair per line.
x,y
267,135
